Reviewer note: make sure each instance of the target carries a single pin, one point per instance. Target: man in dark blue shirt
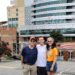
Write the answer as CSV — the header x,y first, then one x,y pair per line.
x,y
29,57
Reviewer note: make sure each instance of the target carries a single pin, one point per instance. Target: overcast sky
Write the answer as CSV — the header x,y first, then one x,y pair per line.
x,y
3,9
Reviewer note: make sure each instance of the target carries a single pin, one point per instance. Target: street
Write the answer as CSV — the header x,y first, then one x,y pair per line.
x,y
14,68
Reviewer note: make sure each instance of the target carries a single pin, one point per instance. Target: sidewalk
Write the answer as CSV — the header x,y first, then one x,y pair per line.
x,y
66,67
14,68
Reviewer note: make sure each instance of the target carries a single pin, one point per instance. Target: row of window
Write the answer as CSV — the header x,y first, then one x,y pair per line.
x,y
16,10
12,19
13,25
46,3
58,21
10,14
50,14
53,8
47,9
53,14
53,2
46,31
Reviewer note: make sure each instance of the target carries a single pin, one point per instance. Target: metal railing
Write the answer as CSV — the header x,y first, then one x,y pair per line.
x,y
70,52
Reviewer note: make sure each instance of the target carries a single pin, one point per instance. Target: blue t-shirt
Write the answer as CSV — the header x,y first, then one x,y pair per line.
x,y
29,55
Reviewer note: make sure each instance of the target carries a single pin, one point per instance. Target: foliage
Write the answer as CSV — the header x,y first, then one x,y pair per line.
x,y
57,36
4,50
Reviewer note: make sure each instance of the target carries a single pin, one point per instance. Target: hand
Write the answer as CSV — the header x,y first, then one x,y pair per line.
x,y
22,66
51,69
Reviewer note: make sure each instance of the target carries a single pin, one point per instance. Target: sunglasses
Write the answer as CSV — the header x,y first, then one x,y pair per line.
x,y
49,41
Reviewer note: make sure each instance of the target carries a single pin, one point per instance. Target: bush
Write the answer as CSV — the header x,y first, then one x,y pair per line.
x,y
4,50
57,36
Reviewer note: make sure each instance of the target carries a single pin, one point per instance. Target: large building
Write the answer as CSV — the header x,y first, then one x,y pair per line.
x,y
16,13
8,35
47,15
16,18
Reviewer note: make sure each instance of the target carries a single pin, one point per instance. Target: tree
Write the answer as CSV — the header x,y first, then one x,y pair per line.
x,y
57,35
4,50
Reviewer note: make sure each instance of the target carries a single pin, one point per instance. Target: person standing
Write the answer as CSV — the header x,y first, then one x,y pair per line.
x,y
52,57
41,59
29,57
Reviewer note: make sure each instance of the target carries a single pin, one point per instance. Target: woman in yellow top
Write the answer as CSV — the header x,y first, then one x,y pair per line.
x,y
51,56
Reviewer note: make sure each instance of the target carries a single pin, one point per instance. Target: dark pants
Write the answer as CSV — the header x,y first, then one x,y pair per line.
x,y
41,71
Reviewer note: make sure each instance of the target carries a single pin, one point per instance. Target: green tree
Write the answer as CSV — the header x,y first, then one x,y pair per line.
x,y
57,35
4,50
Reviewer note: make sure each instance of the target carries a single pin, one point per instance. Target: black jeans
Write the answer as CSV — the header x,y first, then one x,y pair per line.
x,y
41,71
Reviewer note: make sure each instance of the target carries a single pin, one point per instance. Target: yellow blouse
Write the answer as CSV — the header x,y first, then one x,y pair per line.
x,y
52,53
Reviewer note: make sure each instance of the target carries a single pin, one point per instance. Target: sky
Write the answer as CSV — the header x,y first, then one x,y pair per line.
x,y
3,9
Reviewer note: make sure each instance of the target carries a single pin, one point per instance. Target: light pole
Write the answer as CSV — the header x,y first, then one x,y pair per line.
x,y
17,41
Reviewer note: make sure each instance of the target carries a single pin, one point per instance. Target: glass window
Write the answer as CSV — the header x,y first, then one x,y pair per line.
x,y
9,19
50,14
16,14
46,31
17,10
49,3
57,21
47,9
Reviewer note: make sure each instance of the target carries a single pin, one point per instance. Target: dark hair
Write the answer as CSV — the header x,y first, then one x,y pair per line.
x,y
53,45
41,37
33,39
47,46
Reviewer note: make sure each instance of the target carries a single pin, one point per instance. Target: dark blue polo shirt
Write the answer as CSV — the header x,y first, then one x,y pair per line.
x,y
29,55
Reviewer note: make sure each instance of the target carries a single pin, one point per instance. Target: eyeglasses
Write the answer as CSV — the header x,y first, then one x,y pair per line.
x,y
49,41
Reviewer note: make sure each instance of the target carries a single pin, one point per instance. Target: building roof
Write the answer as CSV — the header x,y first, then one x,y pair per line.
x,y
68,45
3,22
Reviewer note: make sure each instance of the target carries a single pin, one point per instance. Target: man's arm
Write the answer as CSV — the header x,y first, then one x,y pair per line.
x,y
22,62
22,59
22,54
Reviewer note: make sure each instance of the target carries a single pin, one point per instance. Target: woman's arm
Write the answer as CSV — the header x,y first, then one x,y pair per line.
x,y
55,60
55,54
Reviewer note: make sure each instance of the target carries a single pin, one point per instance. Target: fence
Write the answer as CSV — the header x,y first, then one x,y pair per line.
x,y
67,54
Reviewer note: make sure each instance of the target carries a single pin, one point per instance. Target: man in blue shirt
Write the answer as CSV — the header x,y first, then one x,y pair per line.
x,y
29,57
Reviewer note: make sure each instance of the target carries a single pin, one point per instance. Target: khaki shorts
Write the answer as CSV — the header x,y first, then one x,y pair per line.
x,y
29,69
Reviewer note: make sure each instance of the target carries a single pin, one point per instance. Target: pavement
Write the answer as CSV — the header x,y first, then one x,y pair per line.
x,y
10,68
14,68
66,67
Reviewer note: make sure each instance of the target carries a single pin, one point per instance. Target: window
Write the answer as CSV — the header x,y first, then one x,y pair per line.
x,y
16,14
9,19
17,10
52,8
50,14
